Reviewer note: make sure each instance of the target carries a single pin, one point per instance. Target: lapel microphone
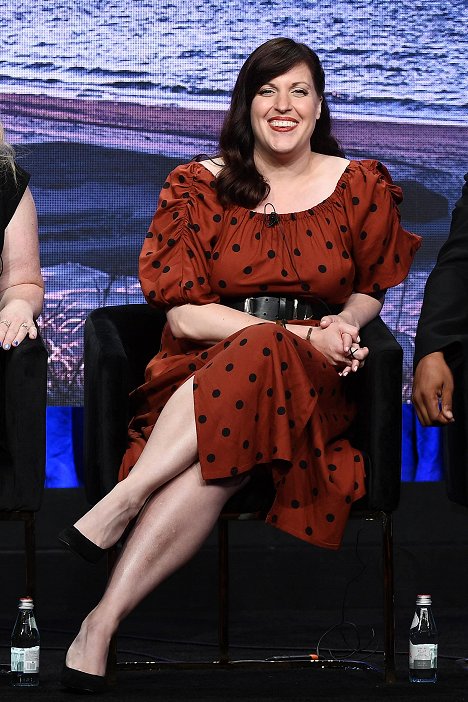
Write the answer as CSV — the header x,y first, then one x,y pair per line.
x,y
271,218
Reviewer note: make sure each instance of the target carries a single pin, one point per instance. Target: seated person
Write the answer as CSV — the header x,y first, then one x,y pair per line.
x,y
21,284
443,323
243,251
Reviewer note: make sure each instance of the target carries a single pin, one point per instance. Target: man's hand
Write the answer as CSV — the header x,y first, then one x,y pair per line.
x,y
433,390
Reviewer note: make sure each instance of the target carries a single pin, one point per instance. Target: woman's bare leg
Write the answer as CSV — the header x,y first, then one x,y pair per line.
x,y
171,448
170,529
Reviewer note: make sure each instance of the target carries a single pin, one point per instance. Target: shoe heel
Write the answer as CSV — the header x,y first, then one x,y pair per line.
x,y
79,544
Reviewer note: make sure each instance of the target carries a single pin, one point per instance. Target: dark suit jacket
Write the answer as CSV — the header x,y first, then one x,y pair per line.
x,y
443,326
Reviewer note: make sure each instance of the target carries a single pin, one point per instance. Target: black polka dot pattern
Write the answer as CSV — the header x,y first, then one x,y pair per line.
x,y
264,397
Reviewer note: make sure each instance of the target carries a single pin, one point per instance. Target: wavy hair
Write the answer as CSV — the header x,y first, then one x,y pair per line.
x,y
239,182
7,153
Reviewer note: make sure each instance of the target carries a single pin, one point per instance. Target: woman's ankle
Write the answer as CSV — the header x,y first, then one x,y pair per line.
x,y
89,650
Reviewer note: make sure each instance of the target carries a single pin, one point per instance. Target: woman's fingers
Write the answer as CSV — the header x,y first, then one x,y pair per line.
x,y
329,319
13,331
347,342
349,333
355,359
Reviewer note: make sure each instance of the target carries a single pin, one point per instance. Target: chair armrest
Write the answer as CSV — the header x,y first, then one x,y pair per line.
x,y
377,431
23,425
118,343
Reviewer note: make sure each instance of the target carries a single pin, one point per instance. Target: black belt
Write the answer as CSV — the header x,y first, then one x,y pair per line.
x,y
273,307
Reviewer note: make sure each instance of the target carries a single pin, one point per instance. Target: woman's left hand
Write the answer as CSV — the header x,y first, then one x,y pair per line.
x,y
355,359
348,338
353,353
16,322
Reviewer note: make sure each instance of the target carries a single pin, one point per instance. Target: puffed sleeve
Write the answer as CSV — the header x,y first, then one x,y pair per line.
x,y
174,264
382,250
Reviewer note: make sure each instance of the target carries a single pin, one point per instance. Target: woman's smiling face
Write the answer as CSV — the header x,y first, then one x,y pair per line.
x,y
284,112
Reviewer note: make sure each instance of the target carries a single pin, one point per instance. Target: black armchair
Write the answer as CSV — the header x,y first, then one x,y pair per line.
x,y
120,341
456,434
23,393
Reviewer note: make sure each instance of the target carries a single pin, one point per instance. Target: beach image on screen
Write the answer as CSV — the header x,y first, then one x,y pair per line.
x,y
103,98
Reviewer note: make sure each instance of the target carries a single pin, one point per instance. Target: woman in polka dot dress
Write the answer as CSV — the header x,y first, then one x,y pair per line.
x,y
278,225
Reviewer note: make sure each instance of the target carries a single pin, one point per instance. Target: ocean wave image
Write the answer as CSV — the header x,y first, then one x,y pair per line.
x,y
102,98
402,59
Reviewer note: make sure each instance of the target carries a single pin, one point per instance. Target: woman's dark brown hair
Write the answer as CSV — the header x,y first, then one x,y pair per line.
x,y
239,182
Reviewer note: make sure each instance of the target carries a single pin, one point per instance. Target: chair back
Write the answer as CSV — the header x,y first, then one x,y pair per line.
x,y
377,428
456,434
119,343
23,397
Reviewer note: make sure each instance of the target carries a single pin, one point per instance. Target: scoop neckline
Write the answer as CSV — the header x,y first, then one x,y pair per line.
x,y
288,215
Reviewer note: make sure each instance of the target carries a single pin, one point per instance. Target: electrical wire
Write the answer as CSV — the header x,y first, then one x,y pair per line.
x,y
342,624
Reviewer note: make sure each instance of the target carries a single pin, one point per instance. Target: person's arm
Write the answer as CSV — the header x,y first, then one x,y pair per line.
x,y
382,251
444,313
214,322
207,323
21,284
358,310
443,323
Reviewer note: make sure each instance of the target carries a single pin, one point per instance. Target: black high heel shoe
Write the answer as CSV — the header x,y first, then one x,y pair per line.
x,y
78,543
82,682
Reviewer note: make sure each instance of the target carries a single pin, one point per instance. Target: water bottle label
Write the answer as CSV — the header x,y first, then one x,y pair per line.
x,y
25,660
422,655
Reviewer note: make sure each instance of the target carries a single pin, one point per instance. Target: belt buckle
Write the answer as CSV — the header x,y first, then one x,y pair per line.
x,y
295,304
248,305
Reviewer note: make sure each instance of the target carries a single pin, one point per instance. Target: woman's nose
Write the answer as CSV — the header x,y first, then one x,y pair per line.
x,y
283,102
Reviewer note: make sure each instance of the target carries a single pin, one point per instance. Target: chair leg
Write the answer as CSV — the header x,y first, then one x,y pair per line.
x,y
30,547
223,590
389,611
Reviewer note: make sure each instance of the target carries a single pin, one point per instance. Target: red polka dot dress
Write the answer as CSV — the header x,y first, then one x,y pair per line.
x,y
263,396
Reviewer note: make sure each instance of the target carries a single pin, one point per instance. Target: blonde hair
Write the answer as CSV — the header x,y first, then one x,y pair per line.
x,y
7,153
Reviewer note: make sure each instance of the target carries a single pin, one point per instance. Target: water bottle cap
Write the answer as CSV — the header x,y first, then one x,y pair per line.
x,y
423,600
26,603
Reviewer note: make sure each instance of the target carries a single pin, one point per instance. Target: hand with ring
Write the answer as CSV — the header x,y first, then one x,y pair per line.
x,y
356,359
16,322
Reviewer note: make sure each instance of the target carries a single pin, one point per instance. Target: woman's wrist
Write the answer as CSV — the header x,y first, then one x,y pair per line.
x,y
301,331
349,318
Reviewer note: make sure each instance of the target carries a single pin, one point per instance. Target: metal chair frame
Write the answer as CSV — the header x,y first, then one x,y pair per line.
x,y
29,520
23,381
224,659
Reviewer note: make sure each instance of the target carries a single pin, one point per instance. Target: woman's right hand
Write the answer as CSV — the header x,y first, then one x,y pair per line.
x,y
16,322
329,342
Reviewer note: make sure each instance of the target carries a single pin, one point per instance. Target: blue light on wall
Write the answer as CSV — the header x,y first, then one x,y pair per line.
x,y
421,448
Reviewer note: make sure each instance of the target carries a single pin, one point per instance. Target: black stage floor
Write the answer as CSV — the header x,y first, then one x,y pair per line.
x,y
286,596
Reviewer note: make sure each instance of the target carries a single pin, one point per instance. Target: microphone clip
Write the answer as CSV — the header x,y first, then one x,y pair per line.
x,y
273,219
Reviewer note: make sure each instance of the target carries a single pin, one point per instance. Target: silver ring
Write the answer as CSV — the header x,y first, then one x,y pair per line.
x,y
5,321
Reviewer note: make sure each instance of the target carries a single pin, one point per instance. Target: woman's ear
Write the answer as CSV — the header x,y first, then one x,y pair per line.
x,y
319,109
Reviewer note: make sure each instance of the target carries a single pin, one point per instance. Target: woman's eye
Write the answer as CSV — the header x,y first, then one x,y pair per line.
x,y
265,91
300,91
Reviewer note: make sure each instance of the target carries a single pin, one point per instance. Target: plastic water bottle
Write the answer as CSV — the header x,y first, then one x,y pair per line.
x,y
423,643
25,646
